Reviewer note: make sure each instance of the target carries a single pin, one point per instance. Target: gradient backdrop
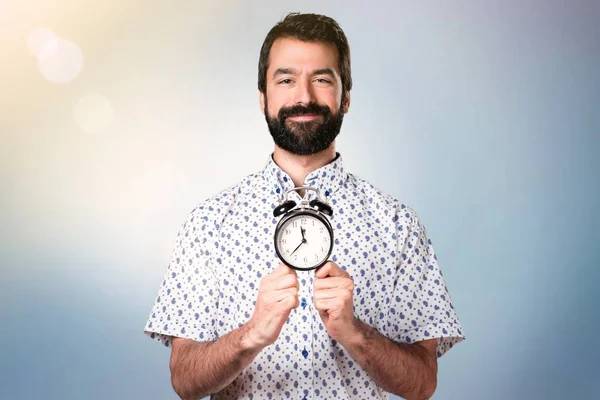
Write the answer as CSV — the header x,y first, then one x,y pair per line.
x,y
118,117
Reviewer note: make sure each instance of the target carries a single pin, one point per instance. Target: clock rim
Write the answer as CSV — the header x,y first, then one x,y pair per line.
x,y
295,213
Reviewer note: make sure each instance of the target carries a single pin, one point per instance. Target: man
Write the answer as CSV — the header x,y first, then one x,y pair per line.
x,y
242,325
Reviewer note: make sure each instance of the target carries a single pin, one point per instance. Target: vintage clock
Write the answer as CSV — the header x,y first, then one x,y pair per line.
x,y
303,236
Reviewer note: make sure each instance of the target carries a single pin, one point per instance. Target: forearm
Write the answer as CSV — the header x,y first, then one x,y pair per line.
x,y
200,369
406,370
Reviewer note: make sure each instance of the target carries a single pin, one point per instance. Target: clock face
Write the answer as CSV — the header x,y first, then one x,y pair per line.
x,y
303,241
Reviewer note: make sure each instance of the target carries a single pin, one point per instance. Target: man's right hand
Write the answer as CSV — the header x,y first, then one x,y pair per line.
x,y
277,296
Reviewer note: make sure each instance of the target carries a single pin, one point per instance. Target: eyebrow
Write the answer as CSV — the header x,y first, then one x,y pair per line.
x,y
291,71
324,71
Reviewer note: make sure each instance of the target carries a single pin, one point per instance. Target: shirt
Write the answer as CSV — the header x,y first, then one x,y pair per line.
x,y
225,247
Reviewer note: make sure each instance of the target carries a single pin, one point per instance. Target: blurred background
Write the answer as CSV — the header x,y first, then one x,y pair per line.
x,y
118,117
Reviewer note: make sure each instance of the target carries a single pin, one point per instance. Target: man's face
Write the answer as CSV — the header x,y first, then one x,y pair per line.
x,y
303,105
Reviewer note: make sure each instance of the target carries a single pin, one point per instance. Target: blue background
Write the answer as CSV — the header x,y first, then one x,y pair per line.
x,y
481,115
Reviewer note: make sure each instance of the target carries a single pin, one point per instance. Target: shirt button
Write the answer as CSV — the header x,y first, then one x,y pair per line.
x,y
304,353
303,304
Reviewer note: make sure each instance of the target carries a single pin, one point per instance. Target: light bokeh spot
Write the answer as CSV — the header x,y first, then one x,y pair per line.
x,y
40,40
59,60
93,113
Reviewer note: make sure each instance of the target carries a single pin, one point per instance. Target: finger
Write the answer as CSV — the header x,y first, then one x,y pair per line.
x,y
287,303
333,294
327,304
329,269
278,295
274,278
333,282
284,282
281,270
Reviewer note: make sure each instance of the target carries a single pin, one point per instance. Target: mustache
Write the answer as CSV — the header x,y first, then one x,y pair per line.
x,y
299,110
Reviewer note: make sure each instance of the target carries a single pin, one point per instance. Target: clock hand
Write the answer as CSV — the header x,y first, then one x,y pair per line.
x,y
301,243
303,230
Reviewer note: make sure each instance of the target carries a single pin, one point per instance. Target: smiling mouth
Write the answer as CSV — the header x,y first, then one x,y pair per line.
x,y
306,117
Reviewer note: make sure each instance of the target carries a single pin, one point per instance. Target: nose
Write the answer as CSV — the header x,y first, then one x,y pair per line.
x,y
303,92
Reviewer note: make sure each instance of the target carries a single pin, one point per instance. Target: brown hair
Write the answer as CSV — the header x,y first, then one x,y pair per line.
x,y
307,28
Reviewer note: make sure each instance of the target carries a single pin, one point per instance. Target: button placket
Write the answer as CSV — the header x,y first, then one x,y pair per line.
x,y
305,335
310,324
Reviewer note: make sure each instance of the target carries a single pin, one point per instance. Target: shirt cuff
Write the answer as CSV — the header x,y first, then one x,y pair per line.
x,y
448,335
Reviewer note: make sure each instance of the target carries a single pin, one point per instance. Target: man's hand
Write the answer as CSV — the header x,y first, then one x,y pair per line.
x,y
407,370
277,296
333,291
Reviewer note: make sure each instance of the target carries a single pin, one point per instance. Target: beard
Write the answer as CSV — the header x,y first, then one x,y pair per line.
x,y
304,137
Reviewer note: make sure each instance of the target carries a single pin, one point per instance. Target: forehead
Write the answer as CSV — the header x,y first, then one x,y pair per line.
x,y
293,53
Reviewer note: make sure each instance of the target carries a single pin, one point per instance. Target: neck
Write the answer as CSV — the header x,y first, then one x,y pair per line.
x,y
298,167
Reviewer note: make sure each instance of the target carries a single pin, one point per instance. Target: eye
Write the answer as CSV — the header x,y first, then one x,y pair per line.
x,y
285,81
323,80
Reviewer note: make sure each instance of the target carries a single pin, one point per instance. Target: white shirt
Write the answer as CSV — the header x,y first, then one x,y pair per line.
x,y
226,246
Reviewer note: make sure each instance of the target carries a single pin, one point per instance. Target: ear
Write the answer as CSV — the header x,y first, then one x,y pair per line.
x,y
346,105
262,102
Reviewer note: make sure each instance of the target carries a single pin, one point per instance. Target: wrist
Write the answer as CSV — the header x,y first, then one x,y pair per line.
x,y
355,336
250,340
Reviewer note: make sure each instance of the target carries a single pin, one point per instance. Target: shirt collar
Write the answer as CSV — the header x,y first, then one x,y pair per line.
x,y
327,179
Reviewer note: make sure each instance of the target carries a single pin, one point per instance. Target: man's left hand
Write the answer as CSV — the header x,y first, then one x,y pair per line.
x,y
333,293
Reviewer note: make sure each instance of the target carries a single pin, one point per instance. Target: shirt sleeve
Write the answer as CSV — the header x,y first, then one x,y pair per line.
x,y
421,305
188,298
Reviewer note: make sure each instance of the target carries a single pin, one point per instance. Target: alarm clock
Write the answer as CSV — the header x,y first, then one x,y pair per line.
x,y
304,236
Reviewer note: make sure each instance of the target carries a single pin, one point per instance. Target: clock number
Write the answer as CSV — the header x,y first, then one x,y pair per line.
x,y
287,231
321,230
295,224
305,259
